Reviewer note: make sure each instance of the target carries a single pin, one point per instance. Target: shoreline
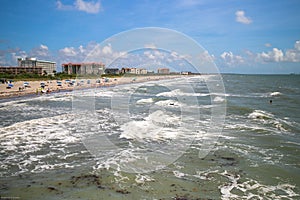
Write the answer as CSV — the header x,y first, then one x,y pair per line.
x,y
35,88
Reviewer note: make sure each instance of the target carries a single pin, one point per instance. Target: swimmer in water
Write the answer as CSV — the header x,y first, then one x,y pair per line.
x,y
271,101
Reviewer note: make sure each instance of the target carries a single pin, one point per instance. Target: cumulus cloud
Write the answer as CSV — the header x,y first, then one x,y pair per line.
x,y
9,56
92,52
240,17
205,57
293,55
68,51
232,60
75,54
61,6
158,55
89,7
92,7
278,55
42,52
107,49
297,45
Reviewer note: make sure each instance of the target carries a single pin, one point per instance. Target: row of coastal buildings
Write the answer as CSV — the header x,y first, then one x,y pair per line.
x,y
99,69
43,67
31,66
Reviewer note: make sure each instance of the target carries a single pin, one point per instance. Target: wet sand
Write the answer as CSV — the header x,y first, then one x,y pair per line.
x,y
19,90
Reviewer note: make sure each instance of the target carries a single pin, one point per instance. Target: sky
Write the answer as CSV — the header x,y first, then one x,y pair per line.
x,y
239,36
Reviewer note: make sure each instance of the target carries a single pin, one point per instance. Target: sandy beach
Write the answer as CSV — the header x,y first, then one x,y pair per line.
x,y
34,87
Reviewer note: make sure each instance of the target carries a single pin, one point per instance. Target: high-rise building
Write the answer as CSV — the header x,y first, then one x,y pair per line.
x,y
48,67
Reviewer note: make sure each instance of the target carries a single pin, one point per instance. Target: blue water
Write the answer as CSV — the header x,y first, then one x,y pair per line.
x,y
151,141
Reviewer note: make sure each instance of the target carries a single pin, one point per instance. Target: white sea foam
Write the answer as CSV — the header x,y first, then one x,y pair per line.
x,y
157,126
141,179
179,92
205,175
279,124
218,99
104,93
145,101
260,114
253,189
178,174
276,94
27,144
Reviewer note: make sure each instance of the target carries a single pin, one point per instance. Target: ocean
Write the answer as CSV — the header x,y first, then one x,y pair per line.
x,y
166,139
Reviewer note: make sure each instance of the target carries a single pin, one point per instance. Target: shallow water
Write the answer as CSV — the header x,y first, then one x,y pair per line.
x,y
149,141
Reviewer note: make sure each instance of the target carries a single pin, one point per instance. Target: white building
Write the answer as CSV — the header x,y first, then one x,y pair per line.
x,y
48,67
141,71
132,70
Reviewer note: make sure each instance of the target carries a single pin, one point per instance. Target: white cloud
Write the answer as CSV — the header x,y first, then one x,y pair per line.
x,y
278,55
240,17
42,52
155,54
92,52
89,7
61,6
44,47
205,57
92,7
9,56
107,49
293,55
75,54
297,45
232,60
81,49
68,51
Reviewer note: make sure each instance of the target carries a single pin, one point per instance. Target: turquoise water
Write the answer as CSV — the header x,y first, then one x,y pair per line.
x,y
144,141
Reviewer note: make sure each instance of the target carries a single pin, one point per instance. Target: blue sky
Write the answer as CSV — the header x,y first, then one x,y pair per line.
x,y
242,36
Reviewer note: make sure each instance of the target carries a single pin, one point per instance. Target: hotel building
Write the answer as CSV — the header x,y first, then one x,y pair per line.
x,y
83,68
47,67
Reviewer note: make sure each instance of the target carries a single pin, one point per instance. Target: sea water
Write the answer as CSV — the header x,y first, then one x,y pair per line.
x,y
144,141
